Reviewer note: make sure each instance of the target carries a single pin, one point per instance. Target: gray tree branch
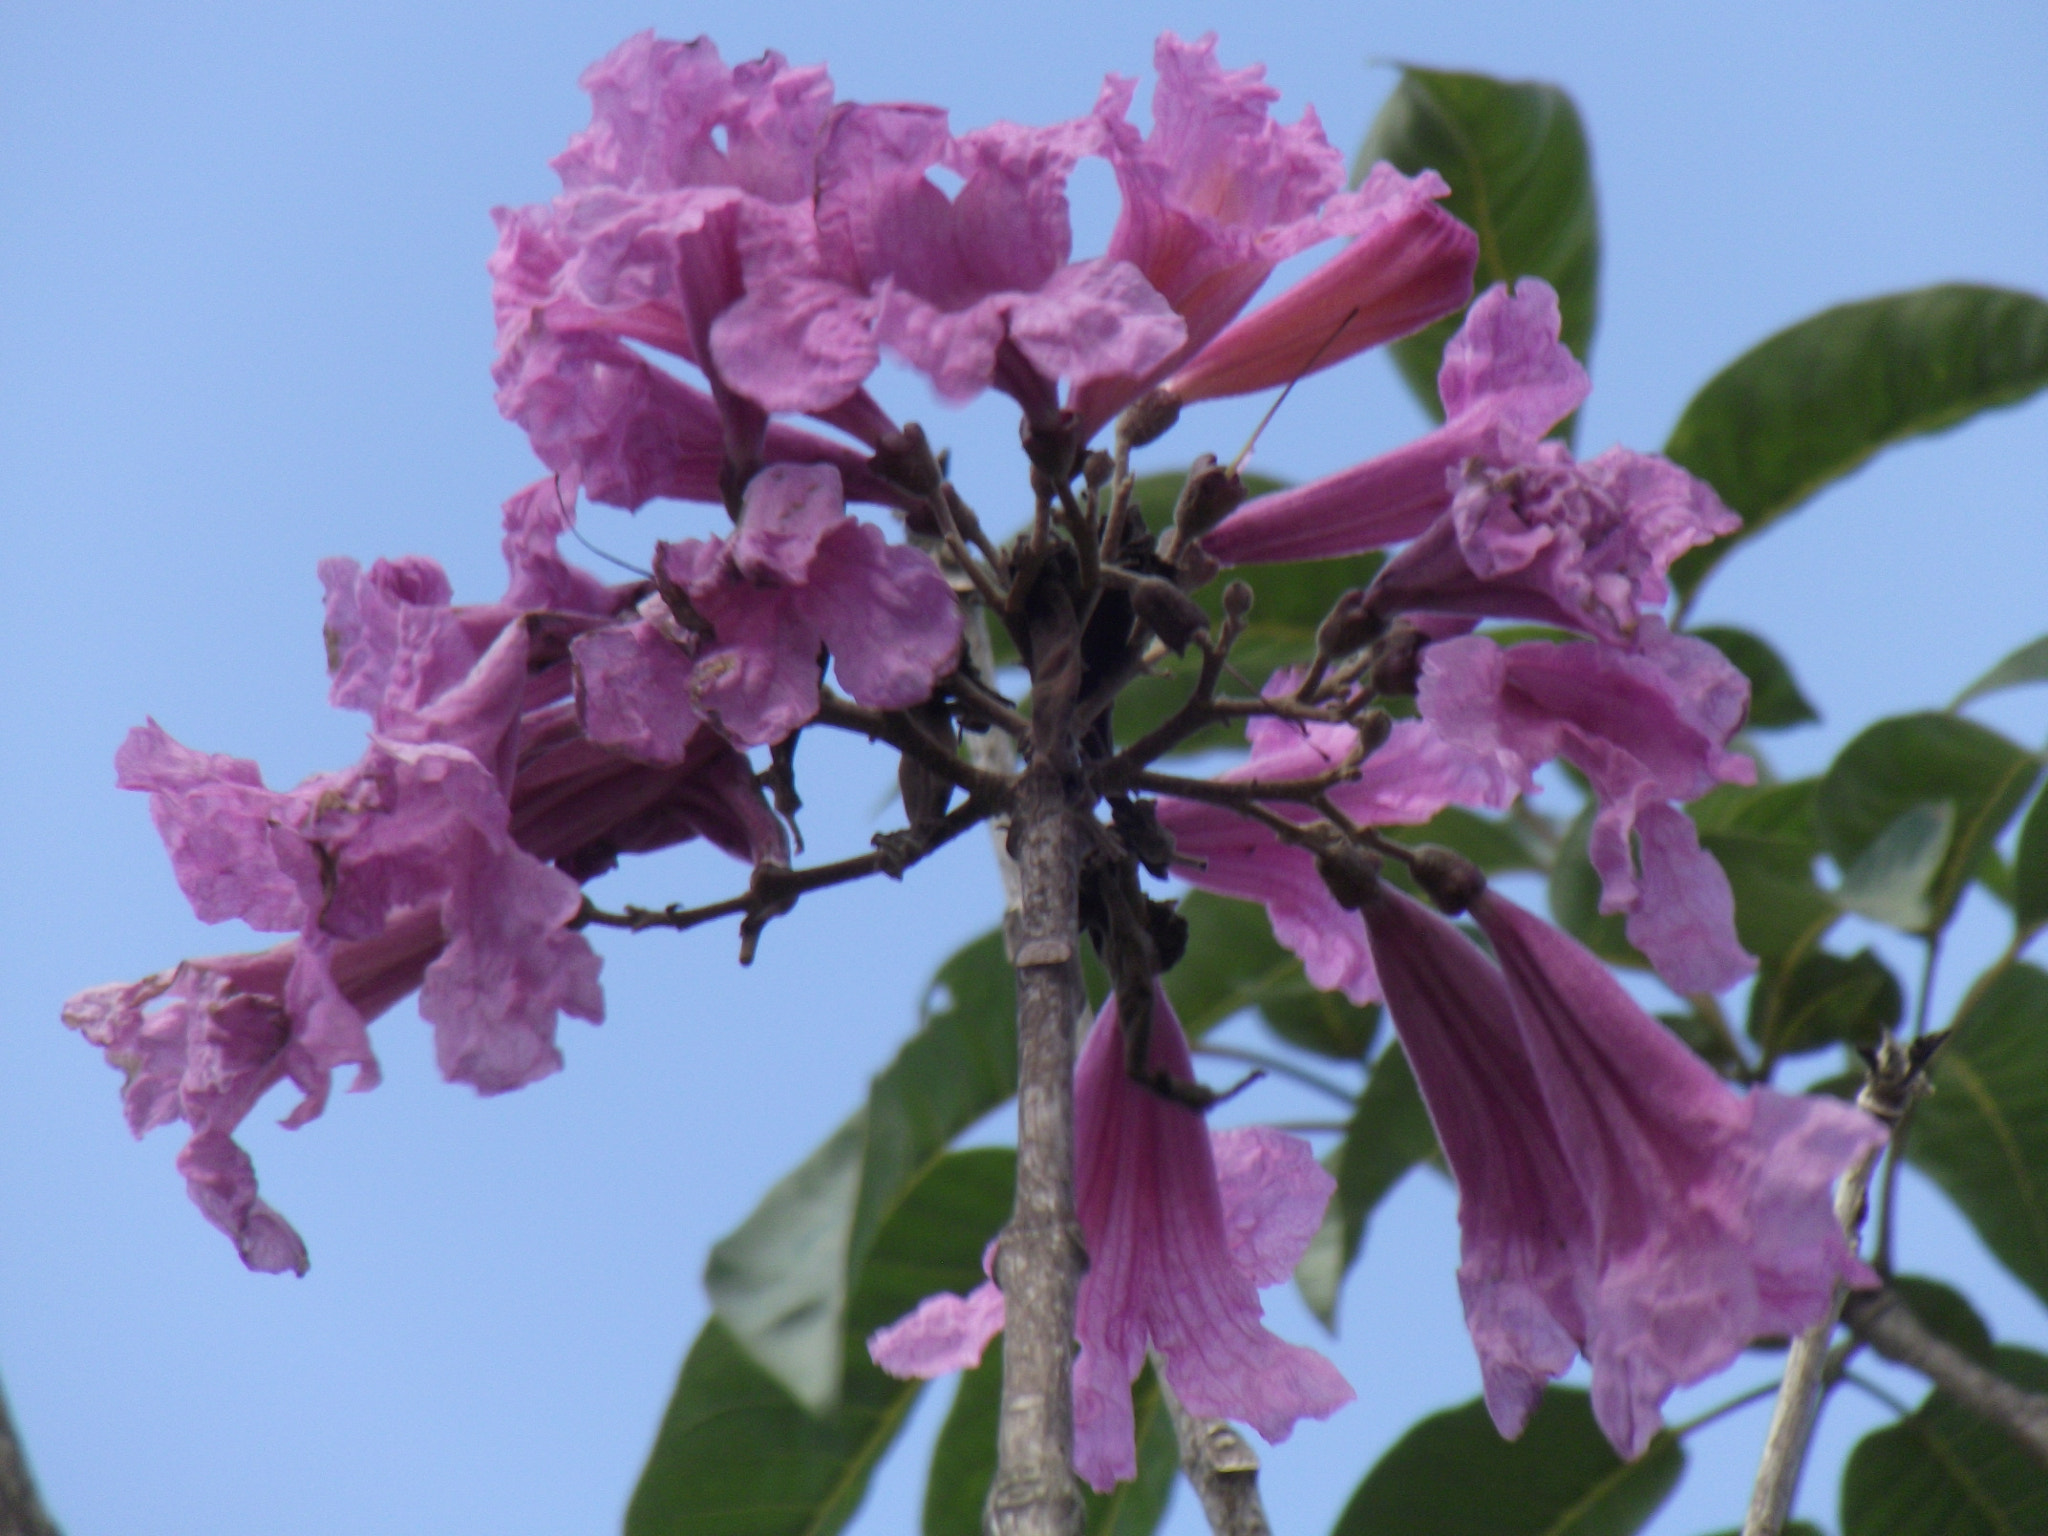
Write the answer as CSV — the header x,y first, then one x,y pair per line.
x,y
1884,1321
1221,1468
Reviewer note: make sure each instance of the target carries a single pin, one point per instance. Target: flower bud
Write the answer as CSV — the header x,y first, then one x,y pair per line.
x,y
1237,601
1148,419
1211,494
1352,874
1449,879
1350,625
1169,613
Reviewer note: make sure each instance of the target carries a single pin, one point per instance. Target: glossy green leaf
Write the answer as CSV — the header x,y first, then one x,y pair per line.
x,y
964,1461
1389,1134
1821,999
1774,697
2028,664
1813,402
1453,1475
1780,909
1912,760
1942,1471
2030,869
1515,155
1890,880
737,1455
781,1280
1982,1135
1234,963
1575,900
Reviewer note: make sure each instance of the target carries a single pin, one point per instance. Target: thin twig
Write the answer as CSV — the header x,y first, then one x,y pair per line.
x,y
1884,1320
1221,1468
1279,1068
904,734
1235,793
1894,1081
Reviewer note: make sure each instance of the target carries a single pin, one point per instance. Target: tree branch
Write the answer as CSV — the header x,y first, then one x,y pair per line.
x,y
1221,1468
1884,1321
1040,1254
1234,793
21,1512
904,734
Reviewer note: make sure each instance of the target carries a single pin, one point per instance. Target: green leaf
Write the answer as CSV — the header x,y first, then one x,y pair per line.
x,y
1942,1471
1233,963
1821,999
1911,760
1575,900
2028,664
1889,881
1812,403
1453,1475
1495,846
737,1455
2030,869
1515,155
1774,697
781,1280
1982,1135
964,1461
1389,1134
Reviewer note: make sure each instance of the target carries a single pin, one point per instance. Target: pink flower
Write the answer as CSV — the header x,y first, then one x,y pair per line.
x,y
446,861
1183,1227
1506,380
686,167
1615,1197
1219,194
798,576
1647,726
1408,780
1580,545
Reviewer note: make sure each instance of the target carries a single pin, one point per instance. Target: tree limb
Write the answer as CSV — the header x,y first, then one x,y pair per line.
x,y
1221,1468
21,1512
1884,1321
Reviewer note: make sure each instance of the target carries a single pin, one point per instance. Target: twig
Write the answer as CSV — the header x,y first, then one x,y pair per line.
x,y
1279,1068
774,890
1883,1319
21,1511
1895,1081
904,734
1221,1468
1235,793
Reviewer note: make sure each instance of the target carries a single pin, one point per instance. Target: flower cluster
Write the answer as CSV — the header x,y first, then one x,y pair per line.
x,y
1616,1198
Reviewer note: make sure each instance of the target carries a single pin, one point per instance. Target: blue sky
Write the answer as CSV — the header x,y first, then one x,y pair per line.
x,y
247,326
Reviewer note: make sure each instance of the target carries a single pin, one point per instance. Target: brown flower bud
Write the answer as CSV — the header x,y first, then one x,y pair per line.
x,y
1349,625
1149,418
1449,879
1237,601
1352,874
1211,494
1168,612
1397,661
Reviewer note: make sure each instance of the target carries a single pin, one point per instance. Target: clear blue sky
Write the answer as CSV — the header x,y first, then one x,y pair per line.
x,y
246,325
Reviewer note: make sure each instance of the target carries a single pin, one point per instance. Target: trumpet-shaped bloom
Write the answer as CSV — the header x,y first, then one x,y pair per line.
x,y
1415,774
445,861
1647,726
1506,380
799,576
1218,194
1183,1227
1615,1197
1581,545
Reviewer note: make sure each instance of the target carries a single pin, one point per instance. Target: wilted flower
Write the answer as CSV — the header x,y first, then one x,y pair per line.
x,y
1182,1227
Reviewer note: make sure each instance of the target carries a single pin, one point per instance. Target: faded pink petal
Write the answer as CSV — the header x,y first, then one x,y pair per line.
x,y
1647,726
946,1333
1274,1193
633,691
1161,1271
1506,380
886,613
1711,1213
